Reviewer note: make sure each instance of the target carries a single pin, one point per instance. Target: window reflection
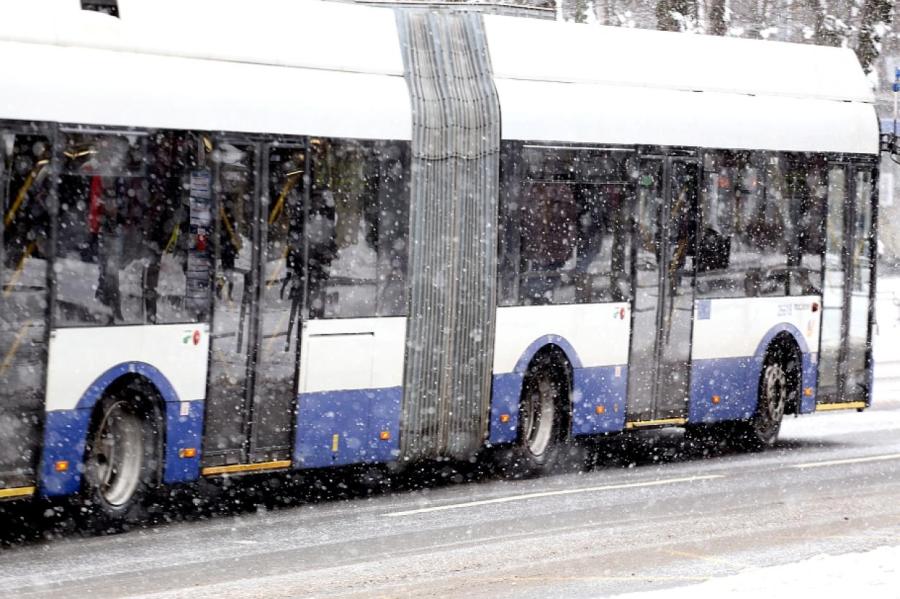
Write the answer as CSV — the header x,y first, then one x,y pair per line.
x,y
124,239
762,221
357,228
25,183
574,228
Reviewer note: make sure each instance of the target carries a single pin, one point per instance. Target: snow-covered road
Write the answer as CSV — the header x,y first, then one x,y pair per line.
x,y
646,517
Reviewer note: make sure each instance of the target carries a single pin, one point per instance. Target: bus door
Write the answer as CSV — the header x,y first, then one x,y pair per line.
x,y
25,189
846,297
256,299
659,362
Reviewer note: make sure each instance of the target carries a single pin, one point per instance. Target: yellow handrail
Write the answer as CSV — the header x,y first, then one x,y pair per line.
x,y
23,192
289,184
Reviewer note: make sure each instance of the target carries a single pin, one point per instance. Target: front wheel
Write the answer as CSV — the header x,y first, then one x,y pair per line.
x,y
775,388
121,465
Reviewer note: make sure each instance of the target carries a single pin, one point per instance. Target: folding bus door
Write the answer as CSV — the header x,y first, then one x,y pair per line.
x,y
253,366
659,362
280,300
844,357
25,190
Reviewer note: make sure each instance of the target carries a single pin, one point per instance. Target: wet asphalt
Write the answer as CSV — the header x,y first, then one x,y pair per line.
x,y
630,513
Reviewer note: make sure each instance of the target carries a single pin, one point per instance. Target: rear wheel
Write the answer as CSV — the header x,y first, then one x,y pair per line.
x,y
543,439
121,465
540,418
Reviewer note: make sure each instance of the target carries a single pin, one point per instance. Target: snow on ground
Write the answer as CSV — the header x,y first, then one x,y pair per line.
x,y
872,574
886,341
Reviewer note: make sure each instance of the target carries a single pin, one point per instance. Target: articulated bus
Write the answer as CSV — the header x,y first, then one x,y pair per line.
x,y
257,237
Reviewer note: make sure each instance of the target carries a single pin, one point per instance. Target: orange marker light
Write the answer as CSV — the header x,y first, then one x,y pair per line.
x,y
600,409
187,452
385,435
716,399
61,466
808,392
504,418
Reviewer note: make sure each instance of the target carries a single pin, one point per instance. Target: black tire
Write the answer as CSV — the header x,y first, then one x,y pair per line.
x,y
543,443
121,464
777,390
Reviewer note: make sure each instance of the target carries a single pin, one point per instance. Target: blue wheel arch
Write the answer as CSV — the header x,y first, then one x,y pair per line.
x,y
65,431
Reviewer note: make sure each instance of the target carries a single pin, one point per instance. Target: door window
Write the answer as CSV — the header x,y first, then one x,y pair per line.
x,y
25,184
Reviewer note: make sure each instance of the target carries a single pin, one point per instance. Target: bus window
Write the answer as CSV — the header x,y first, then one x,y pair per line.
x,y
548,239
341,230
574,226
717,226
390,163
806,190
758,251
124,223
767,231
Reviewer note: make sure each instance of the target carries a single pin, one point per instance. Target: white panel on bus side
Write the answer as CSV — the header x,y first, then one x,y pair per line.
x,y
598,333
142,90
567,112
734,328
352,353
79,356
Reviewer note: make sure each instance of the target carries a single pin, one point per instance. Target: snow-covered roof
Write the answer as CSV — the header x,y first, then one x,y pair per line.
x,y
590,84
567,52
207,64
297,33
222,62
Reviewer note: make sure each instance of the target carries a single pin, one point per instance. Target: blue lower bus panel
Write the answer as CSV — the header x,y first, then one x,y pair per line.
x,y
348,427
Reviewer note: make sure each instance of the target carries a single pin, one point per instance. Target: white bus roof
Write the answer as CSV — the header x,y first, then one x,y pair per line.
x,y
207,64
219,64
577,83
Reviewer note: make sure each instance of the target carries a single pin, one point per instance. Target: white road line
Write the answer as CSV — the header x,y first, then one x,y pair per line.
x,y
874,458
526,496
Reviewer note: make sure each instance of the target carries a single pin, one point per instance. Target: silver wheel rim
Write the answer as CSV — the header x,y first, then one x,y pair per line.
x,y
540,417
776,392
117,449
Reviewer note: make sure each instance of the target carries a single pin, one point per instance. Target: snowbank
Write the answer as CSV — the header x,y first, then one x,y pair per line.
x,y
872,574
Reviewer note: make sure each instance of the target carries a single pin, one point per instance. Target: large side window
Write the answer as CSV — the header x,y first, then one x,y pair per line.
x,y
715,266
762,230
806,190
571,210
125,229
357,227
390,165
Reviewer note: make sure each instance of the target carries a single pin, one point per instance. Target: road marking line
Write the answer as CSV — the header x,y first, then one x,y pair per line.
x,y
706,558
526,496
636,578
874,458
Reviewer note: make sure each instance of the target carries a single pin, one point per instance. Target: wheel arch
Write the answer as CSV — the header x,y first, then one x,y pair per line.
x,y
786,344
559,355
147,389
141,374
